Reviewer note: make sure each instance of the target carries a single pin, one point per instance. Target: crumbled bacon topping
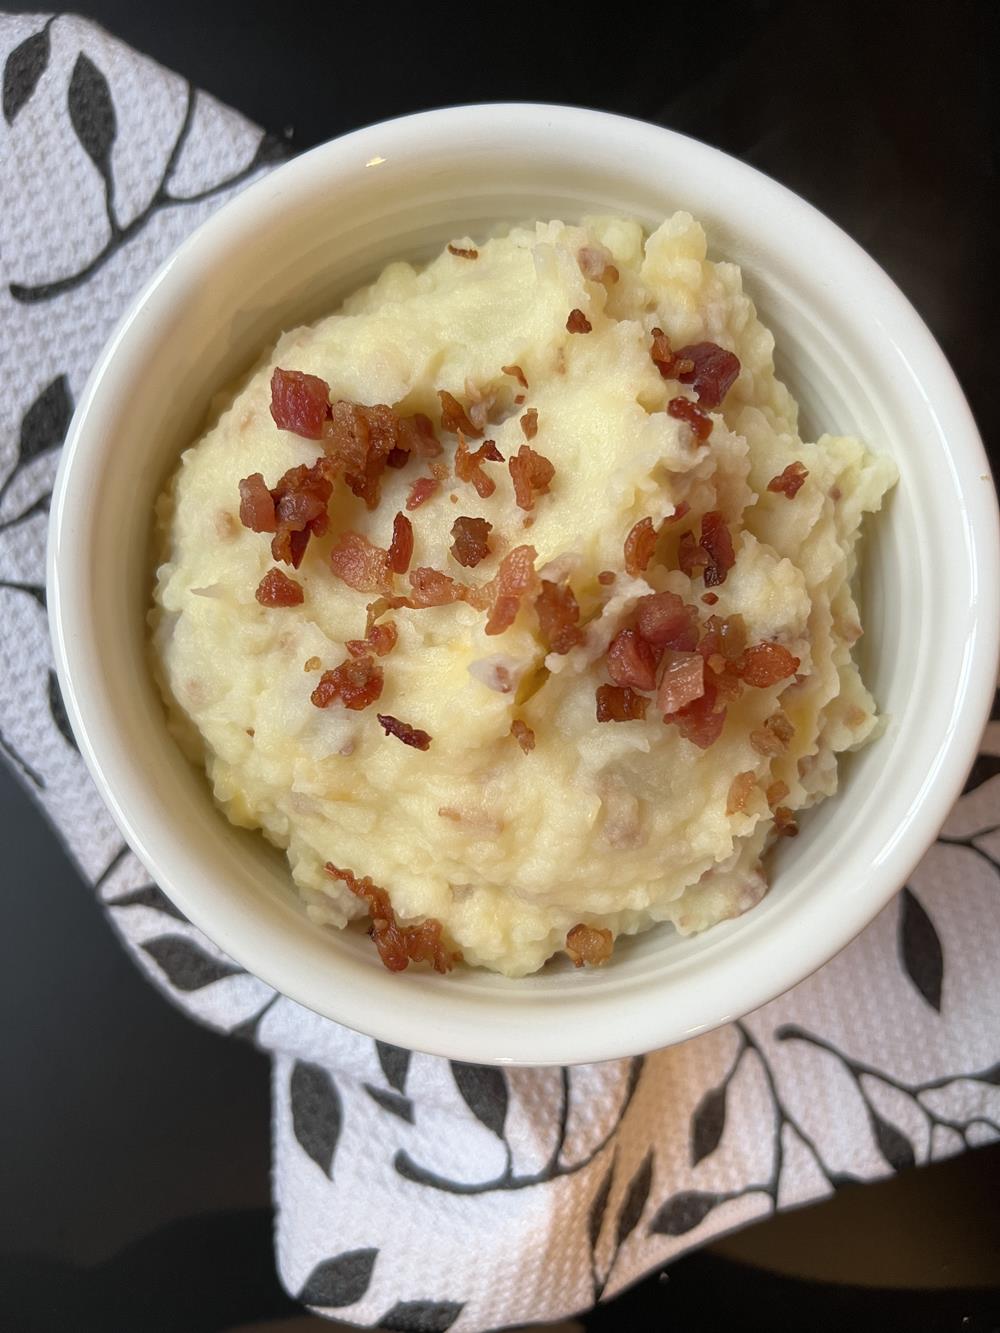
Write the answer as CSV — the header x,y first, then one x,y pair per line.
x,y
558,616
523,734
401,547
516,373
682,681
256,505
357,682
764,664
515,579
620,703
789,482
277,589
468,464
714,552
454,418
470,540
665,359
578,322
462,253
702,720
433,588
606,577
773,737
531,474
529,423
421,491
392,726
360,564
380,640
710,598
396,457
595,263
698,419
784,822
666,621
725,639
713,372
397,945
740,791
300,500
359,439
592,945
300,403
639,547
776,793
631,661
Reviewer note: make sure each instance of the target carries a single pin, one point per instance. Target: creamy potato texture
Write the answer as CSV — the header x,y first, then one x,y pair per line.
x,y
613,824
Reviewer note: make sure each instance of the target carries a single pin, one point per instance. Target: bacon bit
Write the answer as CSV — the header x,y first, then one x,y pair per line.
x,y
578,322
277,589
380,640
595,263
773,737
776,793
740,791
359,440
300,500
723,638
256,505
680,512
416,435
789,481
397,457
639,547
665,621
589,944
360,564
378,608
523,734
300,403
397,945
401,547
701,722
520,399
631,661
620,703
691,559
710,598
421,491
432,588
529,423
515,579
453,417
558,616
684,410
517,373
713,372
682,681
356,683
765,664
468,465
470,540
311,664
392,726
606,577
717,543
458,251
784,823
531,473
665,359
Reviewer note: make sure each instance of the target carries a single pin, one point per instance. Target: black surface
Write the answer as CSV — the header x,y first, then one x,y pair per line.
x,y
134,1145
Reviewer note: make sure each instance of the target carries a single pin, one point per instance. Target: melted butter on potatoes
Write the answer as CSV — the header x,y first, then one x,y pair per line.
x,y
615,825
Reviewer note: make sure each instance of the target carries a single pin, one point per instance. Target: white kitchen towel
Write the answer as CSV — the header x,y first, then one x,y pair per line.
x,y
414,1193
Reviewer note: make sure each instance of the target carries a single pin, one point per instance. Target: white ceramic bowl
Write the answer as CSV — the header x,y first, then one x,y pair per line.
x,y
853,351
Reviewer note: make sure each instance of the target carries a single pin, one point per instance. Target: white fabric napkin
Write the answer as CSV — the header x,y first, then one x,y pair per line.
x,y
414,1193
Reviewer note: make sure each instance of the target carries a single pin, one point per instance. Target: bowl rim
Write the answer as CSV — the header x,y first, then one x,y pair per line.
x,y
421,1024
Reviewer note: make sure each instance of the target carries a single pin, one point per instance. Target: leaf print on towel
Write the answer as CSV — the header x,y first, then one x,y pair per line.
x,y
484,1091
92,115
58,710
708,1122
186,964
684,1212
920,948
340,1281
421,1316
22,69
395,1062
43,427
317,1114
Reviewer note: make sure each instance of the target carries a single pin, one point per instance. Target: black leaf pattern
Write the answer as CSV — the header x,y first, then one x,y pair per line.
x,y
395,1064
43,426
33,590
248,1029
23,68
991,1076
58,710
684,1212
635,1199
920,948
421,1316
148,895
186,964
893,1144
92,113
339,1281
985,767
484,1091
708,1123
599,1206
393,1102
316,1113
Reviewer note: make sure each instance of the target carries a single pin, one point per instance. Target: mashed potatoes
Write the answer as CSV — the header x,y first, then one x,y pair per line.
x,y
524,816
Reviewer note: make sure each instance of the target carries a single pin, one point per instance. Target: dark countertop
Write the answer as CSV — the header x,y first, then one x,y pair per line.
x,y
135,1145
